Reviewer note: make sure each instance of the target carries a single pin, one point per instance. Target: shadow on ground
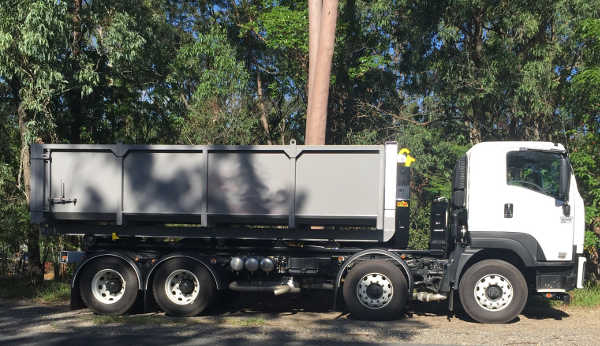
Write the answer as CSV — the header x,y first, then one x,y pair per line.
x,y
536,308
238,319
540,308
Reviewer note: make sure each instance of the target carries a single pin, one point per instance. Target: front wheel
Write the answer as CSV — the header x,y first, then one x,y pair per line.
x,y
183,287
375,290
493,291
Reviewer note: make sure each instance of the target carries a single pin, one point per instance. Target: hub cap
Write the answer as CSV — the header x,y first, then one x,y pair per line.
x,y
182,287
493,292
108,286
374,291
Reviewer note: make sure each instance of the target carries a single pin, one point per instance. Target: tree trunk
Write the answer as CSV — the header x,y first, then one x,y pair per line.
x,y
477,104
74,94
474,126
261,105
316,121
35,268
314,29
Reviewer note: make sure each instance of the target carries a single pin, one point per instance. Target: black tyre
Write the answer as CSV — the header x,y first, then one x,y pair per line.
x,y
375,290
493,291
108,285
183,287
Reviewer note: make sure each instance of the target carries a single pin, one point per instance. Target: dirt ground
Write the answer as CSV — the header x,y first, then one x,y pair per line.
x,y
291,320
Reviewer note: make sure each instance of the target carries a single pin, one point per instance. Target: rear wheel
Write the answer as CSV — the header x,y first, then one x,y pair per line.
x,y
183,287
375,290
108,285
493,291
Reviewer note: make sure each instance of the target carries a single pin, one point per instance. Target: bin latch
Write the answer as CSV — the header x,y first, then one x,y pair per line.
x,y
62,199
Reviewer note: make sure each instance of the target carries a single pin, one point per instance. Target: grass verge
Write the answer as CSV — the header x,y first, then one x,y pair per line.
x,y
246,322
131,319
586,297
45,292
162,320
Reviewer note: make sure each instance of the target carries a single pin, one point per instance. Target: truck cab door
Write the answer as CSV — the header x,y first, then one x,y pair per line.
x,y
534,202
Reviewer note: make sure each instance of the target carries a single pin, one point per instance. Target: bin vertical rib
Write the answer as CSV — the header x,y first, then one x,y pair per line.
x,y
381,187
204,207
120,151
292,153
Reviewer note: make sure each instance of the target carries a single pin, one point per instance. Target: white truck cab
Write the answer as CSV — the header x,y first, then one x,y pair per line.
x,y
514,199
517,219
514,189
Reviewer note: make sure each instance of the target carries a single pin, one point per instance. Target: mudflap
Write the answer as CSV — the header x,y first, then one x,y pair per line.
x,y
76,301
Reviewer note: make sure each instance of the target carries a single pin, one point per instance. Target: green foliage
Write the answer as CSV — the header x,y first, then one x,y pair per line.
x,y
208,70
208,67
122,42
587,82
585,159
284,28
419,224
14,214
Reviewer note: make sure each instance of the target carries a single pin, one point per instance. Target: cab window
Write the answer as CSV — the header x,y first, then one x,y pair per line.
x,y
534,170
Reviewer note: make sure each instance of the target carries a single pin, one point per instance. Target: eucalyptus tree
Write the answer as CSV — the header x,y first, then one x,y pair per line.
x,y
505,67
32,36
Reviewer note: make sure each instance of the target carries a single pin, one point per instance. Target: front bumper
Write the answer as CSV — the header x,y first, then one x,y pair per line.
x,y
561,279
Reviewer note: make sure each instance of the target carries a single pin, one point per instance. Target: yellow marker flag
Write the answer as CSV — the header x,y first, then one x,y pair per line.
x,y
409,159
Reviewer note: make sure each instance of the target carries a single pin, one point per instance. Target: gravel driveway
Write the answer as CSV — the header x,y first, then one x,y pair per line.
x,y
287,320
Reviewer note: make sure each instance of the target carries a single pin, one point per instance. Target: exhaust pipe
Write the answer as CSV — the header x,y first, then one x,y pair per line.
x,y
278,288
428,297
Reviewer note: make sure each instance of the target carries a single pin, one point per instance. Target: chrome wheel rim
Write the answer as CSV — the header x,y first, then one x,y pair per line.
x,y
374,291
182,287
108,286
493,292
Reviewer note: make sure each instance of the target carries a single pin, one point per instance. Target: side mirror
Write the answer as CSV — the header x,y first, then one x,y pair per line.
x,y
565,180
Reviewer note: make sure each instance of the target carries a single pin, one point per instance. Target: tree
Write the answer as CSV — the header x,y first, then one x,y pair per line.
x,y
320,67
30,33
584,104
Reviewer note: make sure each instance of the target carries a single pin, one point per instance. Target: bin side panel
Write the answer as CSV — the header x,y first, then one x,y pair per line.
x,y
163,183
94,178
248,183
338,184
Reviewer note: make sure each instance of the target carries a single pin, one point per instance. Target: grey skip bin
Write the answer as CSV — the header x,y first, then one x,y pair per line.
x,y
216,184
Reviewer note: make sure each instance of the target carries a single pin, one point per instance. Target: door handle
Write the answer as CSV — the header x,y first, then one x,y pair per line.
x,y
508,210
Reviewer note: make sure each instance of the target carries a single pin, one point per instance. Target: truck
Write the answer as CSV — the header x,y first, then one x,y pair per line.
x,y
172,226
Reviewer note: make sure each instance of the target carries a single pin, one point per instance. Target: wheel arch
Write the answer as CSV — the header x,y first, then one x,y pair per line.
x,y
76,300
371,252
123,257
505,255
